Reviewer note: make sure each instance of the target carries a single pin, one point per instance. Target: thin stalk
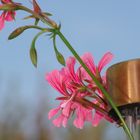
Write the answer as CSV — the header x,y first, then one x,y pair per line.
x,y
88,104
36,27
98,96
126,129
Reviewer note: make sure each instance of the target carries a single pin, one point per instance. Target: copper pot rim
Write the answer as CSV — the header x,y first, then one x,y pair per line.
x,y
125,61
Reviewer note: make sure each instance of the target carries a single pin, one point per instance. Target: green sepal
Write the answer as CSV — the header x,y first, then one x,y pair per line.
x,y
20,30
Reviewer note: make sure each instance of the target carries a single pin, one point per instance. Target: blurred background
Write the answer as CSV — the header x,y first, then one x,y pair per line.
x,y
25,97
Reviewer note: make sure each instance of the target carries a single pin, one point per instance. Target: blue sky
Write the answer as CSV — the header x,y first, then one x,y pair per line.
x,y
91,26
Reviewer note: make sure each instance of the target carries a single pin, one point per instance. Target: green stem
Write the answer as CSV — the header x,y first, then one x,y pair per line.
x,y
35,27
126,129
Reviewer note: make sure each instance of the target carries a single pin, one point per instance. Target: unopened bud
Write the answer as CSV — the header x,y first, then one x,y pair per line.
x,y
33,56
37,9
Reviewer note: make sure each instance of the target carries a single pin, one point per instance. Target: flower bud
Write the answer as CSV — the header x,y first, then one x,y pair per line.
x,y
37,9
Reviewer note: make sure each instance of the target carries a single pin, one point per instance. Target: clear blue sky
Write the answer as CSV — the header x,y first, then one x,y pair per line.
x,y
95,26
90,26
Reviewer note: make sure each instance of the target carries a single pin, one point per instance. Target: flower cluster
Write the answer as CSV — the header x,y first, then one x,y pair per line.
x,y
9,7
79,94
7,15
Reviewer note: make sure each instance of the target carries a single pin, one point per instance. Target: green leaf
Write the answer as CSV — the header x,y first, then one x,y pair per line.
x,y
59,56
33,52
20,30
33,56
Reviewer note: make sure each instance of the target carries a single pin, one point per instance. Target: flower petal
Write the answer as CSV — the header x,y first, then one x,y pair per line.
x,y
6,1
61,120
56,79
9,16
58,121
2,21
67,108
89,61
79,120
105,60
70,63
53,112
97,118
65,120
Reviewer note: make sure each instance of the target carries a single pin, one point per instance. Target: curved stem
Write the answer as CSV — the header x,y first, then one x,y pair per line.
x,y
35,27
126,129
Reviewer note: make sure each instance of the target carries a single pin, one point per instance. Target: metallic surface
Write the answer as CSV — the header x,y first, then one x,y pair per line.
x,y
123,81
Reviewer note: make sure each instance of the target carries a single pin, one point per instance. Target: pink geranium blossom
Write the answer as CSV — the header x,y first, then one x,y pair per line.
x,y
96,69
6,15
76,87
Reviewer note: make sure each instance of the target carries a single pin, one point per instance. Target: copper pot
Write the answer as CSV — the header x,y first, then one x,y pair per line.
x,y
123,80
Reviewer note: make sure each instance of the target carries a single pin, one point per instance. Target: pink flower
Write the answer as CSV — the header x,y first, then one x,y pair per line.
x,y
61,120
6,1
96,70
75,87
89,61
6,15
